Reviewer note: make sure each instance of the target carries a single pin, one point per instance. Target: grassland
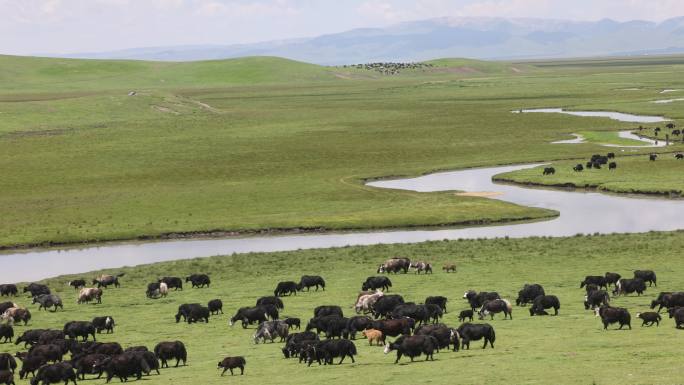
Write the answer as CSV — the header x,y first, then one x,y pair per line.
x,y
528,350
265,144
634,175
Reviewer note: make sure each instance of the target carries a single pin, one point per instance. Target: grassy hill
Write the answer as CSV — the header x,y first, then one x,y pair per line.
x,y
267,144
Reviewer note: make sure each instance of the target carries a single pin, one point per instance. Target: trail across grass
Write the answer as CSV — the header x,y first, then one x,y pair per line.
x,y
528,350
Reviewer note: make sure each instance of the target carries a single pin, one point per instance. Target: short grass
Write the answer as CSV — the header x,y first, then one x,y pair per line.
x,y
263,144
528,350
634,174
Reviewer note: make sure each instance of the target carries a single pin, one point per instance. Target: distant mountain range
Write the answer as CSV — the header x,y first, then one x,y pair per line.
x,y
478,38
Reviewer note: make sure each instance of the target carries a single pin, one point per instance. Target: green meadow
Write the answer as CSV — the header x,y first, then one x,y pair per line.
x,y
571,348
268,145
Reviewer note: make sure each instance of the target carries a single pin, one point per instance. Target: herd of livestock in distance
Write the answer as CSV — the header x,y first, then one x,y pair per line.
x,y
598,161
416,328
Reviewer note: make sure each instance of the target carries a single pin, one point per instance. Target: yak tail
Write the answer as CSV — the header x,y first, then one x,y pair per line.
x,y
492,336
352,349
508,305
181,351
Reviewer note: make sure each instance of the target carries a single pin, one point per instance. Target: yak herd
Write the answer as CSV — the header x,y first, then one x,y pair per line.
x,y
329,335
599,161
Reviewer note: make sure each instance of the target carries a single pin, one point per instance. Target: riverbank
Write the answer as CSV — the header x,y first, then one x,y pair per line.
x,y
634,175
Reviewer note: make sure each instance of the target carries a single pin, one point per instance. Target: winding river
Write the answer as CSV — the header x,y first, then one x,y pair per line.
x,y
581,212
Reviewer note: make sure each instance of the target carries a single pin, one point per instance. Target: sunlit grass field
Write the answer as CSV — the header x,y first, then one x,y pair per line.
x,y
528,350
266,144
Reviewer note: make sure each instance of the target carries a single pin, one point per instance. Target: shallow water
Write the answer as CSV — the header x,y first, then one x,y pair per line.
x,y
667,101
580,212
579,139
599,114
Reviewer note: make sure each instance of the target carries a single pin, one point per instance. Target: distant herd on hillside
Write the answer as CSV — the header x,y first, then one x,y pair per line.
x,y
416,327
389,68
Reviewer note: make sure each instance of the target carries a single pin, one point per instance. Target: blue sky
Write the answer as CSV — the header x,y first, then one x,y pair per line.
x,y
62,26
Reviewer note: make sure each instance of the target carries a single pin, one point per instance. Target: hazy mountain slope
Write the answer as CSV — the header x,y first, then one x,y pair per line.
x,y
483,38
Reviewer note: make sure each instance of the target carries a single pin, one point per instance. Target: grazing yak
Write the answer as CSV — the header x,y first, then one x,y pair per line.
x,y
597,280
6,333
325,310
216,305
29,337
610,315
375,283
528,293
679,156
184,311
465,314
30,364
385,304
16,314
678,314
248,316
449,268
293,322
374,336
8,290
83,329
355,324
171,350
543,302
103,323
7,377
309,281
198,280
365,302
435,313
46,301
88,294
7,362
55,373
578,168
418,313
107,280
474,332
549,171
612,166
322,324
295,342
627,286
230,363
668,300
476,300
647,276
88,364
612,278
496,306
442,335
275,301
157,290
649,318
37,289
421,267
595,299
413,346
393,327
124,365
329,349
395,265
7,305
270,330
197,314
174,283
77,283
285,288
438,300
653,157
